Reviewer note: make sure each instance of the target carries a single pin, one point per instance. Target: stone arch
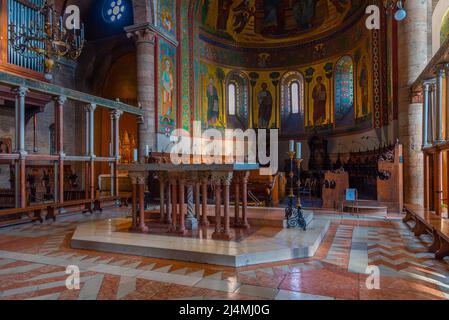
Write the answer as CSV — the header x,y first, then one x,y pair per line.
x,y
437,18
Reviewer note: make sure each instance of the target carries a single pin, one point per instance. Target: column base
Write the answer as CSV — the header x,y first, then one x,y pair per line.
x,y
221,236
241,225
144,229
192,224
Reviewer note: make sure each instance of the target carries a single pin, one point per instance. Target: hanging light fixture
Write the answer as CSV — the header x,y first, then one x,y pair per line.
x,y
47,38
396,6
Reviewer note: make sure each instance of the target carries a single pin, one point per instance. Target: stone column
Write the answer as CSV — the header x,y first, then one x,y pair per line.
x,y
162,181
134,202
244,180
191,220
204,184
174,204
197,198
182,212
115,142
425,128
237,221
446,67
439,106
412,50
216,180
226,185
20,186
141,188
59,125
431,114
145,43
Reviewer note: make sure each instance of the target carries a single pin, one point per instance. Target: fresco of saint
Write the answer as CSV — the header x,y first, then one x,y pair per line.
x,y
304,12
265,100
167,88
363,83
212,103
319,96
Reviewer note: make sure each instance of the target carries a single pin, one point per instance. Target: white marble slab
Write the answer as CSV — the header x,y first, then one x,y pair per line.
x,y
286,244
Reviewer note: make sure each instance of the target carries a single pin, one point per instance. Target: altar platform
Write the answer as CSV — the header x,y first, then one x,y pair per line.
x,y
266,241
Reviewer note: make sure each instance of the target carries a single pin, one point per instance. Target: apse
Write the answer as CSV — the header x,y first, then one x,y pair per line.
x,y
303,67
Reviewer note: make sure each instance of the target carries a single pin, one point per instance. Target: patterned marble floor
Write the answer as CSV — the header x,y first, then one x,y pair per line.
x,y
34,257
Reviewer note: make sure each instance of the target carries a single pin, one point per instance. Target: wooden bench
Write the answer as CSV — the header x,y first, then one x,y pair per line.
x,y
428,222
36,210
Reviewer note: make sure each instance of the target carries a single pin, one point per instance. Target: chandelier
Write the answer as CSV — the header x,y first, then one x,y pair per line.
x,y
46,37
396,6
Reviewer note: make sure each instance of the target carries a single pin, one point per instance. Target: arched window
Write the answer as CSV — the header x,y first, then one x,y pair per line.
x,y
231,99
237,101
114,10
294,97
344,92
292,103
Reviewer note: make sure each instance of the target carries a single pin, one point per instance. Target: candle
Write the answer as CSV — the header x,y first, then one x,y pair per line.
x,y
147,150
299,150
292,146
135,155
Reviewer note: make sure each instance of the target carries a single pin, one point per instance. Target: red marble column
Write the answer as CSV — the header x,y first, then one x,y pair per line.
x,y
141,189
237,201
227,186
218,232
245,178
182,209
174,204
204,182
134,203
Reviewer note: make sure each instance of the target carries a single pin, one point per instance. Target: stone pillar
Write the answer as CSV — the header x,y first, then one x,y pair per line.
x,y
59,126
216,180
191,220
237,221
425,128
145,43
446,67
162,181
197,199
226,185
412,50
174,204
244,180
182,212
20,186
141,188
204,184
134,202
115,141
431,115
439,106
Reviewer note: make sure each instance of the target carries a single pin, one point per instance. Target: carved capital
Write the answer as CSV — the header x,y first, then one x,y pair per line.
x,y
417,96
137,177
144,35
90,107
227,178
140,120
116,114
20,91
61,100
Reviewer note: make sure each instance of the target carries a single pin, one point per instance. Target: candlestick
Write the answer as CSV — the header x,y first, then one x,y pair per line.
x,y
298,150
135,155
292,146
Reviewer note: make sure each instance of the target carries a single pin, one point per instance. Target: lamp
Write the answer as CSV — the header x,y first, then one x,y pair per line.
x,y
46,37
397,6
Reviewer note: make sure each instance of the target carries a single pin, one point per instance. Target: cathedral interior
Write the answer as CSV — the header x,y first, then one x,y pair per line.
x,y
220,149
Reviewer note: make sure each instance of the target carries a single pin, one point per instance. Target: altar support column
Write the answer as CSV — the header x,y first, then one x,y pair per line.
x,y
237,200
162,181
216,180
59,126
21,200
204,184
134,202
244,179
182,211
174,204
145,45
227,185
141,188
425,128
439,106
90,108
197,199
412,48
